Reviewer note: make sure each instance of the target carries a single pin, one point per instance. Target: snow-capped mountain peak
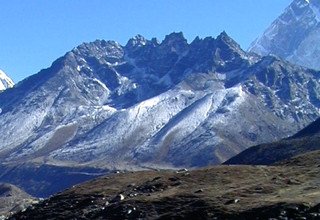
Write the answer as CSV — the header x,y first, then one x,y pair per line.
x,y
170,103
5,81
294,35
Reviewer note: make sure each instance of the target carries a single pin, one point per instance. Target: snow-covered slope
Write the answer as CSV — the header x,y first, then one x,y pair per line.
x,y
148,103
5,81
294,35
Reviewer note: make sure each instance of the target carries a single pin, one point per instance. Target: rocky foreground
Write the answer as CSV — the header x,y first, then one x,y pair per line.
x,y
13,199
286,191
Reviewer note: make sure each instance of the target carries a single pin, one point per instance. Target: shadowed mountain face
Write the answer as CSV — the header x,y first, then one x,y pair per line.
x,y
154,104
305,141
294,35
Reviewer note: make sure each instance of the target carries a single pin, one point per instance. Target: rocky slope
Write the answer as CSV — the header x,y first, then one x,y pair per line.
x,y
5,81
307,140
288,191
294,35
13,199
153,104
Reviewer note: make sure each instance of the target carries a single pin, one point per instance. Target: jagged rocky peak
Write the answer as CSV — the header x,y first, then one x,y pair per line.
x,y
294,35
5,81
140,46
174,37
225,38
176,42
99,49
196,40
223,42
228,54
137,41
207,43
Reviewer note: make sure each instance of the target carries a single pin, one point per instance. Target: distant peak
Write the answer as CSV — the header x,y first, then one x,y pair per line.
x,y
302,4
104,43
197,39
224,36
137,41
98,48
2,74
100,44
203,41
173,37
5,81
226,39
155,41
140,38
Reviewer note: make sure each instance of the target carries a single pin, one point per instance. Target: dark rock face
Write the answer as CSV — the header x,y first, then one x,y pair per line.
x,y
311,130
305,141
294,35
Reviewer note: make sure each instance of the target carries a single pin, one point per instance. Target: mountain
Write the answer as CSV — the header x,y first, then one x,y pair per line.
x,y
220,192
305,141
5,81
152,104
294,35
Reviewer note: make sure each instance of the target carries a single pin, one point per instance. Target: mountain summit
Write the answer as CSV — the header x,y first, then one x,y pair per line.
x,y
5,81
294,35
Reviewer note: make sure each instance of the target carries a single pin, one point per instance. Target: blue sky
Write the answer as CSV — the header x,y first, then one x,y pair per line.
x,y
34,33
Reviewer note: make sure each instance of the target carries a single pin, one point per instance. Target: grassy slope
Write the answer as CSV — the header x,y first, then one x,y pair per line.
x,y
198,194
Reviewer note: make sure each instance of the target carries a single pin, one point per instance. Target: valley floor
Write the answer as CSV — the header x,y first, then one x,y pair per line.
x,y
222,192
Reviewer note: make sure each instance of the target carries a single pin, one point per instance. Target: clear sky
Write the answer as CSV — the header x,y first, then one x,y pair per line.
x,y
33,33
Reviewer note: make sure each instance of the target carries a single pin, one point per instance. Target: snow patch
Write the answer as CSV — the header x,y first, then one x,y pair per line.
x,y
101,84
5,81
